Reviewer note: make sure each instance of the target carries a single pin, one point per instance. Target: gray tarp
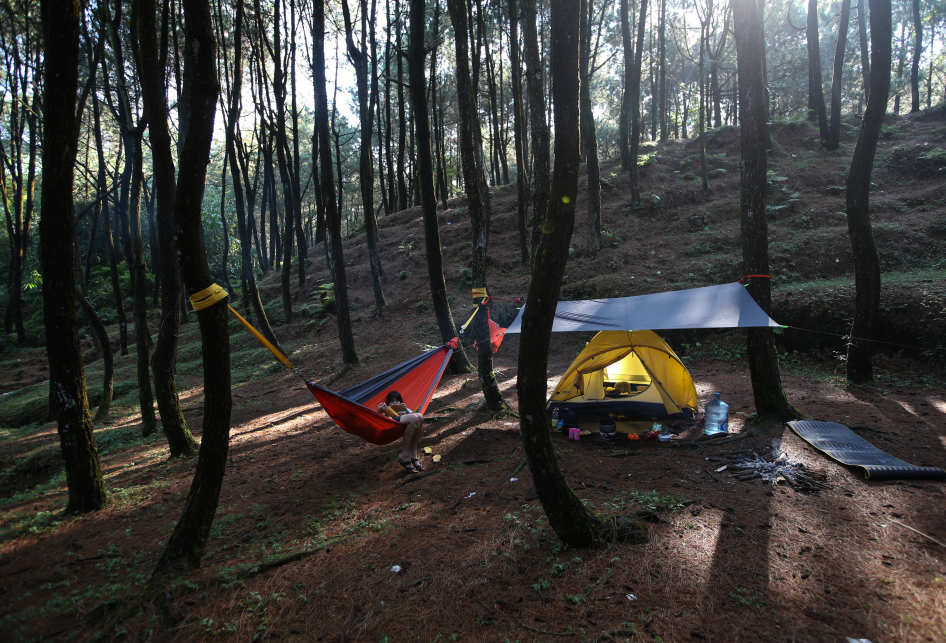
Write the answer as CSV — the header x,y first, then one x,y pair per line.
x,y
726,306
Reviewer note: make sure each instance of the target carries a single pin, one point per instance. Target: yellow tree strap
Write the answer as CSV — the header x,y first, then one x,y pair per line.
x,y
265,342
207,297
478,293
476,309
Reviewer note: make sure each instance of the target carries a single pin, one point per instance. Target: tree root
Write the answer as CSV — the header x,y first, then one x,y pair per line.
x,y
285,560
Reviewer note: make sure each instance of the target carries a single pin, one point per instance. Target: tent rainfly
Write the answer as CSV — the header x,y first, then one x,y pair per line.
x,y
725,306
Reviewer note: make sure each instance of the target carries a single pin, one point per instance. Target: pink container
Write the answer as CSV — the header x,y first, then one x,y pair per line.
x,y
574,433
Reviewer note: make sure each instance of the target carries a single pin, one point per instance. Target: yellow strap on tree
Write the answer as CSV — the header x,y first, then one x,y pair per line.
x,y
265,342
207,297
475,310
478,293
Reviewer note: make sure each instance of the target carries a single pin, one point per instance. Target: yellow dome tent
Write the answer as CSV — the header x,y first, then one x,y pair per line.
x,y
626,375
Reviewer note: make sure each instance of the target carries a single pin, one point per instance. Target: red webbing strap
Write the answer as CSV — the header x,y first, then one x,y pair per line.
x,y
751,276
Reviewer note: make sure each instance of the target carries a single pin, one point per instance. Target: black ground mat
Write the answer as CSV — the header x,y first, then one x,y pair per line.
x,y
842,444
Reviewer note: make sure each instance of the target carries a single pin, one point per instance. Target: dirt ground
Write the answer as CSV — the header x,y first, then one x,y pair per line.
x,y
465,553
478,562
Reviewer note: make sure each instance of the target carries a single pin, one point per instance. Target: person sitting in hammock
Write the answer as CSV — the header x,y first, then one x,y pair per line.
x,y
394,407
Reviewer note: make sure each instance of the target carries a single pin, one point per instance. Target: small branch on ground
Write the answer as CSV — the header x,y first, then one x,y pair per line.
x,y
917,531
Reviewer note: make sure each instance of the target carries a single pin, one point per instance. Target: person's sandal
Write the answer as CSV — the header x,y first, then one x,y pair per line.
x,y
409,467
417,464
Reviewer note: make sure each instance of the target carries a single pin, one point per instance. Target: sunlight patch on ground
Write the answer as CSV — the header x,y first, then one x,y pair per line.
x,y
907,407
939,404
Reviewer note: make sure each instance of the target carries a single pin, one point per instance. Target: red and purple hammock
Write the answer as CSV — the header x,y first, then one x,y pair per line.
x,y
416,380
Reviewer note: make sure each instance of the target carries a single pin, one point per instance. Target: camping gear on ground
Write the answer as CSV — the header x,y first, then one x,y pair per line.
x,y
725,306
717,417
607,428
840,443
624,375
555,418
665,435
354,408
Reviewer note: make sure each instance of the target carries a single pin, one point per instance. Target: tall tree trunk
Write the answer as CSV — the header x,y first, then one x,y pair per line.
x,y
164,359
865,50
588,137
540,134
225,226
301,250
401,117
425,174
19,221
866,260
99,337
574,522
519,124
704,36
834,127
136,261
624,135
332,214
816,108
929,76
635,90
109,239
472,175
770,400
359,58
902,59
662,54
917,52
283,160
68,398
185,546
251,292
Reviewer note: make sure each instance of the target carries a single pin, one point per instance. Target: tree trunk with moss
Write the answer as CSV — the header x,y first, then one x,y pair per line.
x,y
866,260
185,547
70,404
472,175
574,522
770,400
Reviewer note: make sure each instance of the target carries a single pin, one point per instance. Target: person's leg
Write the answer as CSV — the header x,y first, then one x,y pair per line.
x,y
409,441
415,438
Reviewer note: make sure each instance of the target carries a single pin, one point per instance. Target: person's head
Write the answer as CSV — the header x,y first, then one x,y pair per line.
x,y
393,396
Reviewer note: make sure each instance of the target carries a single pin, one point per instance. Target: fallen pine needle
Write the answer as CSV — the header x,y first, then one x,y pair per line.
x,y
535,629
917,531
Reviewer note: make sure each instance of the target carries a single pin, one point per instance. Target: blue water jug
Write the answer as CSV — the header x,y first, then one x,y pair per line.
x,y
717,416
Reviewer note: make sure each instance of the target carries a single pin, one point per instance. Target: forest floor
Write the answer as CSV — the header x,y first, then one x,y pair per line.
x,y
465,553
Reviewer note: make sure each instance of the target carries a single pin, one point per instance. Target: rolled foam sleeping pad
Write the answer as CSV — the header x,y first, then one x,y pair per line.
x,y
840,443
